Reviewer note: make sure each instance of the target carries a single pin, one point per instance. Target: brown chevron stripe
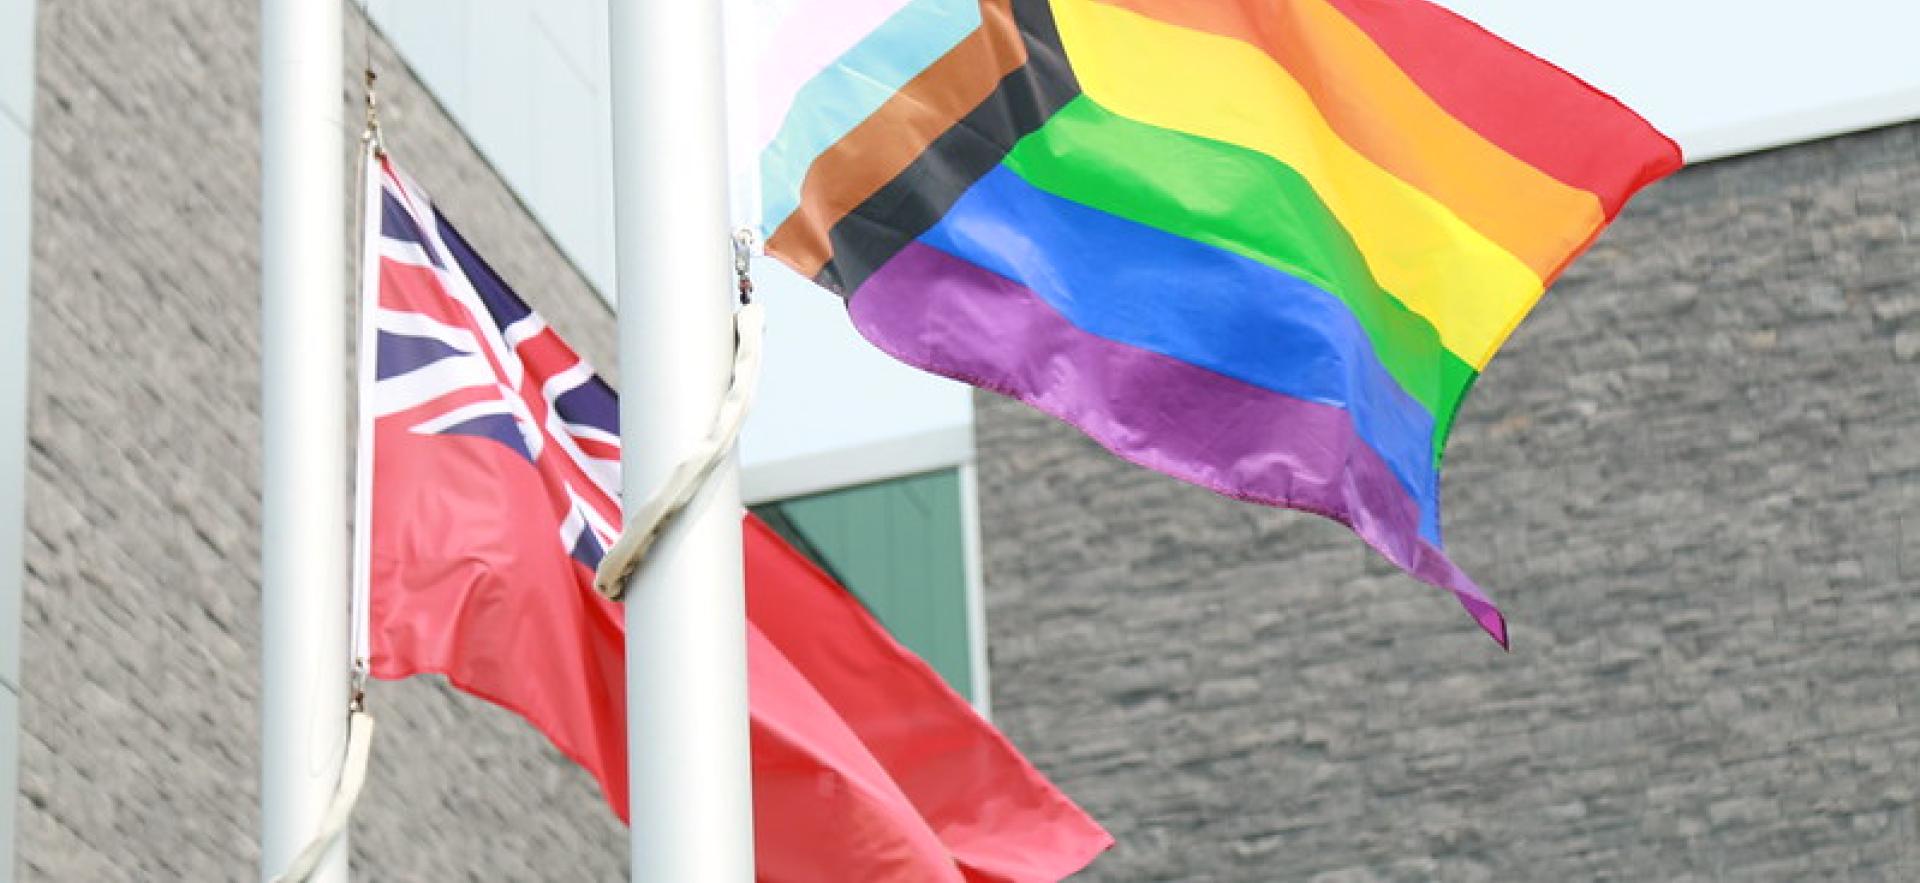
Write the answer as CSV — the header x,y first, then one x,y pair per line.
x,y
887,144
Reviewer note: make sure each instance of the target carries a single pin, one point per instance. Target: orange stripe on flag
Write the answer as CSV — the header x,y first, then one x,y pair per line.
x,y
1378,109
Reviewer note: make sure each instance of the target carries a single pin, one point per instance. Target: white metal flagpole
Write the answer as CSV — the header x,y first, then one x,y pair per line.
x,y
303,507
689,771
686,624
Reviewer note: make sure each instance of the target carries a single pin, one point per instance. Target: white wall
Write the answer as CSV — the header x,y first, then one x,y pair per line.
x,y
527,80
16,210
1730,76
834,410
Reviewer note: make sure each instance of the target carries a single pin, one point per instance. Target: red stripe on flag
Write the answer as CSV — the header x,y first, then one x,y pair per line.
x,y
598,449
1530,108
410,288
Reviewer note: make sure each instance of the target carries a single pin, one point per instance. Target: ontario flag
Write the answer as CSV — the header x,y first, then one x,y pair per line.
x,y
489,480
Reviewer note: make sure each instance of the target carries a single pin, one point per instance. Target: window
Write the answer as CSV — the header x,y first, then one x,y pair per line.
x,y
900,546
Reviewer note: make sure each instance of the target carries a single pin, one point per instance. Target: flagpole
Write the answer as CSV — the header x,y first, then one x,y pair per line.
x,y
689,770
303,506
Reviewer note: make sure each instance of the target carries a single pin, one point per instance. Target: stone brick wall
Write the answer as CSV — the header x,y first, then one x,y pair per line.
x,y
1693,479
138,756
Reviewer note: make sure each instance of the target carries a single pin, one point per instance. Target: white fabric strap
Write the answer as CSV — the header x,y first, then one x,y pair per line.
x,y
651,518
353,774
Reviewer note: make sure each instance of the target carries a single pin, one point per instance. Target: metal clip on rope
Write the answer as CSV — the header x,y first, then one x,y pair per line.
x,y
743,245
371,134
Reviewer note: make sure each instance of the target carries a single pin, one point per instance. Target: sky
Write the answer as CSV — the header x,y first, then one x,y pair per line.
x,y
1725,76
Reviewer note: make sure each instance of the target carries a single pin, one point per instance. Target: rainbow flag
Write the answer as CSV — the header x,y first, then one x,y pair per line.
x,y
1264,246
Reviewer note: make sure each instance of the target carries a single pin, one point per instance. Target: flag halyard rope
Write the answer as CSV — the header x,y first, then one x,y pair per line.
x,y
353,775
651,518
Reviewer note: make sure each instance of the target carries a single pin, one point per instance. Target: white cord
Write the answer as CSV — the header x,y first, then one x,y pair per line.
x,y
353,774
650,519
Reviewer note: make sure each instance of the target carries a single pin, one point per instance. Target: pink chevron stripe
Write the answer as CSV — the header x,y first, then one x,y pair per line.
x,y
809,38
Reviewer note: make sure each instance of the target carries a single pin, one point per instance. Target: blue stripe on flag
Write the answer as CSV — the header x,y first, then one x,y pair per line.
x,y
586,549
590,404
498,427
500,301
396,224
402,353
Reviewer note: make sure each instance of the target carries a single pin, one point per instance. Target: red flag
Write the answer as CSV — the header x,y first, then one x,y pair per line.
x,y
489,482
991,810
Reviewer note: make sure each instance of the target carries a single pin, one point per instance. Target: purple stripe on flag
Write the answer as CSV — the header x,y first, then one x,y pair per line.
x,y
948,316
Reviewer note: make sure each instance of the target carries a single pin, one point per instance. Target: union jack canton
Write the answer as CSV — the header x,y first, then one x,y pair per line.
x,y
489,473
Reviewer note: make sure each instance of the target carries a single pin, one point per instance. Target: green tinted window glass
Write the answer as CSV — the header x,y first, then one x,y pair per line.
x,y
898,545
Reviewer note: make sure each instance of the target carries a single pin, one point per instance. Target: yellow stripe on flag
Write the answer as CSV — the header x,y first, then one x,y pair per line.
x,y
1379,109
1470,288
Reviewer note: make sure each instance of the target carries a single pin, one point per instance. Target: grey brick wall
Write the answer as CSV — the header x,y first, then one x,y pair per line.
x,y
1692,478
138,755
